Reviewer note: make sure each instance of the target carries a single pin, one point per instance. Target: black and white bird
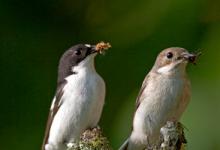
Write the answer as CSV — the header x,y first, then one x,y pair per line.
x,y
164,96
79,98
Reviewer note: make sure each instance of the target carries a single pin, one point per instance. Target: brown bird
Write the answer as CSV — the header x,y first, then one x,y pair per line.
x,y
164,96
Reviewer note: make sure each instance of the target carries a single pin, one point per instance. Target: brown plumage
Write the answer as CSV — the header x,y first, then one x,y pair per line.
x,y
164,96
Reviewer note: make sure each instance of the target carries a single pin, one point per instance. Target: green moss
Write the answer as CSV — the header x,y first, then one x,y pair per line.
x,y
92,140
172,138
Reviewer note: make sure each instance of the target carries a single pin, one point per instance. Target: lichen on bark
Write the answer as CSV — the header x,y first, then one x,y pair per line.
x,y
92,139
172,138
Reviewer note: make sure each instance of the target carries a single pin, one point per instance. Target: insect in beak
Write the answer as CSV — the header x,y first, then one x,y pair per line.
x,y
191,57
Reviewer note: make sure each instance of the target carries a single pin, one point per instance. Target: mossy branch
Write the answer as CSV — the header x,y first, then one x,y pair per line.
x,y
172,138
92,139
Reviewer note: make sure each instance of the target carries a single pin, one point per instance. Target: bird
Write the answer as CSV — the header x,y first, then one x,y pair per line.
x,y
79,98
164,96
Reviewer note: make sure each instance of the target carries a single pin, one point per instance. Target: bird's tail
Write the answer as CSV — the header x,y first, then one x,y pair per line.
x,y
124,145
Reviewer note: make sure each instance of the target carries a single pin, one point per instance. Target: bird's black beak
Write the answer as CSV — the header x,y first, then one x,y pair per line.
x,y
92,50
191,57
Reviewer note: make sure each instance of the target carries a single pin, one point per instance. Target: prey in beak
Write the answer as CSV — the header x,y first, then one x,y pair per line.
x,y
191,57
98,48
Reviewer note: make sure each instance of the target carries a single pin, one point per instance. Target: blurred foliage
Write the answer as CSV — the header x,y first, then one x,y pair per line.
x,y
34,34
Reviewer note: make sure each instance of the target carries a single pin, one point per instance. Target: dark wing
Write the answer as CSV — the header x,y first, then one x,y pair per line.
x,y
53,110
139,97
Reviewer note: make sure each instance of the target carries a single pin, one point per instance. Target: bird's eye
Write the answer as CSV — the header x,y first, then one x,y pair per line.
x,y
169,55
77,52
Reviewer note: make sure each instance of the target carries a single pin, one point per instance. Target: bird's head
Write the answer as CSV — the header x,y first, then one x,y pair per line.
x,y
173,60
79,57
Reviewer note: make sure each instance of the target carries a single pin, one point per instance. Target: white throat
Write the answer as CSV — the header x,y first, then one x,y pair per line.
x,y
86,64
165,69
173,69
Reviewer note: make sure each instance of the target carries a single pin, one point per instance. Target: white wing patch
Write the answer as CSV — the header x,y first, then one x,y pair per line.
x,y
88,45
53,103
52,107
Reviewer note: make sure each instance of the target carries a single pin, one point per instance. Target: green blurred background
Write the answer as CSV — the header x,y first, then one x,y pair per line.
x,y
34,34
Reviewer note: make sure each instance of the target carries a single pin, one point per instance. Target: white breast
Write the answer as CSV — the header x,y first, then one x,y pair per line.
x,y
81,106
